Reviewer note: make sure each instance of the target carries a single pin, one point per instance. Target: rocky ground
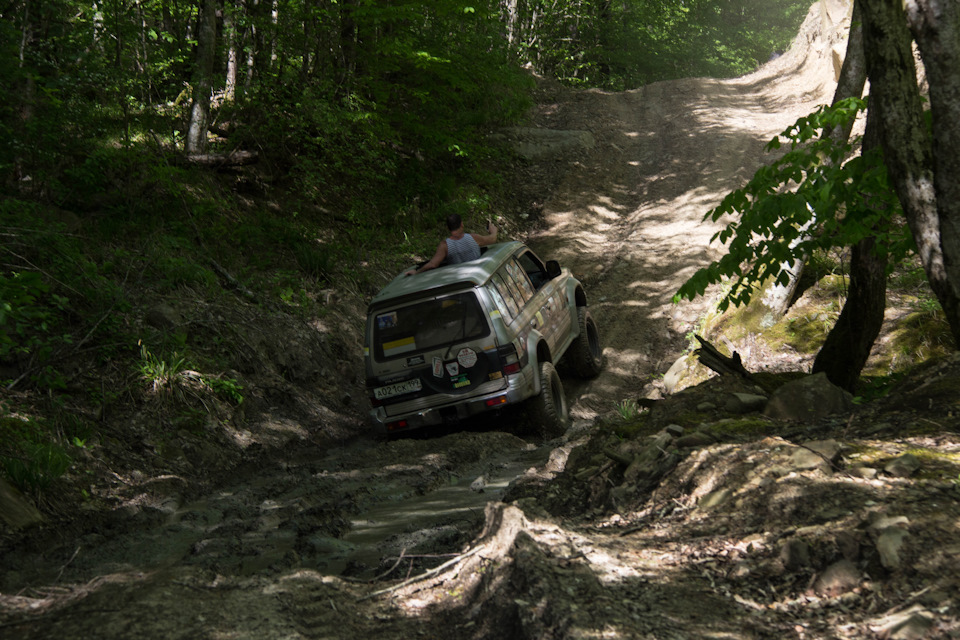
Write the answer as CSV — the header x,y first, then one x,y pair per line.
x,y
699,509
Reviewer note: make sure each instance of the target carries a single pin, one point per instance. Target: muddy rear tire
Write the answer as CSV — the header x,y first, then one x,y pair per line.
x,y
549,409
586,354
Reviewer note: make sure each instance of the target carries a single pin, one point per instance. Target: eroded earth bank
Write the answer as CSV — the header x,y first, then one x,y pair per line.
x,y
708,516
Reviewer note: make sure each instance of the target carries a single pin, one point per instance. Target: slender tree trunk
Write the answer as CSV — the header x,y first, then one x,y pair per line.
x,y
907,146
348,41
847,347
196,141
230,33
853,75
511,16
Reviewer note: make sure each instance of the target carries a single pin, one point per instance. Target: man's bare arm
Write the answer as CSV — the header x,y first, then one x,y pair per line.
x,y
435,261
488,239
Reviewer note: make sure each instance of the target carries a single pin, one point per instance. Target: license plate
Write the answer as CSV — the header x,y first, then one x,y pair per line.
x,y
408,386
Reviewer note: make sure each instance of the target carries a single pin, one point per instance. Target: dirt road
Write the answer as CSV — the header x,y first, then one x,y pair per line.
x,y
628,219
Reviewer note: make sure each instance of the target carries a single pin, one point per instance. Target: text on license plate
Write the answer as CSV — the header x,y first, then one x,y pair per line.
x,y
397,389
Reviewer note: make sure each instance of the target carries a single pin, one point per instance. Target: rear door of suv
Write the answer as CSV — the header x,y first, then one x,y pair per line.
x,y
428,351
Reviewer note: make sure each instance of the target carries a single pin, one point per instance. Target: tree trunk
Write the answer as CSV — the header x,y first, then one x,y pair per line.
x,y
196,141
853,76
230,33
847,347
907,146
936,27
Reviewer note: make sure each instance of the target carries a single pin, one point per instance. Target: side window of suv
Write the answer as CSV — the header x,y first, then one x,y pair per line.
x,y
505,298
534,269
520,280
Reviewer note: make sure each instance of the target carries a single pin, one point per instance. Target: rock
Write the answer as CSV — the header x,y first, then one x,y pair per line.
x,y
795,554
849,545
693,440
867,473
883,522
888,546
15,511
906,625
163,316
557,461
903,467
840,577
745,403
820,454
808,399
674,430
715,498
889,533
478,484
676,372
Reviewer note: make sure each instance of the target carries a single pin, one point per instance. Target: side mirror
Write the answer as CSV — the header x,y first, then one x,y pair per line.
x,y
553,268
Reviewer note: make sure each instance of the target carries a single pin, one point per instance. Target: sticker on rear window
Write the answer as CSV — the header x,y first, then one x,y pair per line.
x,y
396,347
387,320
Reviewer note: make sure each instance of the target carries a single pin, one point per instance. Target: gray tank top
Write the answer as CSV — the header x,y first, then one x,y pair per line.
x,y
462,250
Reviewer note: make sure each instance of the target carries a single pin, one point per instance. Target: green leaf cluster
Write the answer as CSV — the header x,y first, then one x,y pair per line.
x,y
813,198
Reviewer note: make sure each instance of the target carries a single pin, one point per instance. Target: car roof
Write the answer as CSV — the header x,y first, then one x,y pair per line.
x,y
472,273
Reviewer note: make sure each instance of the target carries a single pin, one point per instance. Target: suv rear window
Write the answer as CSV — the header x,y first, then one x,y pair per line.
x,y
426,325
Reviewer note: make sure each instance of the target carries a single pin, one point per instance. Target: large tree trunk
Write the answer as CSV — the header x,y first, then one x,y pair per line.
x,y
907,146
936,28
847,347
203,79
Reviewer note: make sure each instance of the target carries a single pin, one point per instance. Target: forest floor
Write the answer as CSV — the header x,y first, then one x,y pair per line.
x,y
286,519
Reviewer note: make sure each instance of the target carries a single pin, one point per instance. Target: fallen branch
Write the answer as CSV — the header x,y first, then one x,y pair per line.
x,y
233,159
711,358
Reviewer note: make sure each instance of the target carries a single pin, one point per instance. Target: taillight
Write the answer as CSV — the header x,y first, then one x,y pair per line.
x,y
494,402
399,424
509,360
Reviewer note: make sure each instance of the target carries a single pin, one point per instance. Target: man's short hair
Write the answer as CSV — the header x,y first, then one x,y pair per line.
x,y
454,221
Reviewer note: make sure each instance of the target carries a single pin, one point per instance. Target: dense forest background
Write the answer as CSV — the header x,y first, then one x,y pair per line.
x,y
161,146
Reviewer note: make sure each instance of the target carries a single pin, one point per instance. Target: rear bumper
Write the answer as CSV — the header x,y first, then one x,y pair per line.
x,y
450,409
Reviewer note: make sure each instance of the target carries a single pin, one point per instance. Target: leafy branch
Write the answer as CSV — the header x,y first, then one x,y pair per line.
x,y
811,199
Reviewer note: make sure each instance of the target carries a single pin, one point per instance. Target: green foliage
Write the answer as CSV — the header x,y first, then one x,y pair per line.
x,y
627,409
30,325
161,374
227,387
642,41
811,199
30,457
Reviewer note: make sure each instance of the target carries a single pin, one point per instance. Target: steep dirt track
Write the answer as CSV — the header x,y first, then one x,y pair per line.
x,y
628,218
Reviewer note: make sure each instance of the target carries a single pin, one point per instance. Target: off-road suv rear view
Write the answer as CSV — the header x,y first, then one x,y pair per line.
x,y
479,336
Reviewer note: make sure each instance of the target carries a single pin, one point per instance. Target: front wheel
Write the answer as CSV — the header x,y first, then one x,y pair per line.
x,y
549,409
586,355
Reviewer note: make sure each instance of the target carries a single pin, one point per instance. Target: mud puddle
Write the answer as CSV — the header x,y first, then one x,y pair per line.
x,y
434,523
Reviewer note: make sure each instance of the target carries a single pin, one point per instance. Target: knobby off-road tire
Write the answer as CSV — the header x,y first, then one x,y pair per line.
x,y
549,409
586,354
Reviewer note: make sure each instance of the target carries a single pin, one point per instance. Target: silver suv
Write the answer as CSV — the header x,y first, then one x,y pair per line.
x,y
479,336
